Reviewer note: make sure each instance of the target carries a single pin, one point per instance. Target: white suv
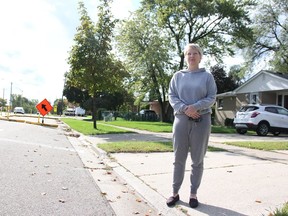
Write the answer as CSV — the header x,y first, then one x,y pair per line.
x,y
262,119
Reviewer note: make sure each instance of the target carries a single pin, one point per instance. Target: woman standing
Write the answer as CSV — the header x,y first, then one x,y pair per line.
x,y
192,92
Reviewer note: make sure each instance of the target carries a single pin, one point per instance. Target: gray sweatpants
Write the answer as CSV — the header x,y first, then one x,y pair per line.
x,y
190,136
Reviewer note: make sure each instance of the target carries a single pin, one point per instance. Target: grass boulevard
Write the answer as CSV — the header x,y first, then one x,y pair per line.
x,y
85,126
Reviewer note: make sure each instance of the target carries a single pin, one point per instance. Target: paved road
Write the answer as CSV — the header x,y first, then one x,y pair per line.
x,y
42,174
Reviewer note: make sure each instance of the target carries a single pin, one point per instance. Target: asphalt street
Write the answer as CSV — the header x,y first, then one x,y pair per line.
x,y
42,174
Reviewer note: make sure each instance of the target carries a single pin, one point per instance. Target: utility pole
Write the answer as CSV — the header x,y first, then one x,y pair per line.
x,y
11,103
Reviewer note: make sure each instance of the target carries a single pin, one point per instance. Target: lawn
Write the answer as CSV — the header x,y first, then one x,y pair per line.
x,y
161,127
85,126
143,125
261,145
142,147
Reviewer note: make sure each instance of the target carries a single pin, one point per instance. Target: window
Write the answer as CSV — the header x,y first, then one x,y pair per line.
x,y
279,100
271,109
282,111
220,103
254,98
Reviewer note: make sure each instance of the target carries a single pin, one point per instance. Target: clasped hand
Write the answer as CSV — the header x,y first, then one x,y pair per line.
x,y
192,112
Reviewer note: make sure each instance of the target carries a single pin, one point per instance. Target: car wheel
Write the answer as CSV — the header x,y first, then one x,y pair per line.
x,y
276,133
241,131
262,129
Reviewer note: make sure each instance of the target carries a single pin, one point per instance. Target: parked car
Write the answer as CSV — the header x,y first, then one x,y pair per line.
x,y
148,115
19,110
262,119
69,112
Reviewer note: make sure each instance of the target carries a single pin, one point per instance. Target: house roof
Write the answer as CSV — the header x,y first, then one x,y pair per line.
x,y
227,94
264,81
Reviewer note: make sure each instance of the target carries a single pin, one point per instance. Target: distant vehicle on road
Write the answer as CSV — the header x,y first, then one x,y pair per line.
x,y
79,111
19,110
262,119
70,112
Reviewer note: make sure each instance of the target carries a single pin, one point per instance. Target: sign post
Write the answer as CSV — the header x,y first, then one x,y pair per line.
x,y
44,107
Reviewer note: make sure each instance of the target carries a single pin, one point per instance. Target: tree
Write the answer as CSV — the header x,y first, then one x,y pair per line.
x,y
60,104
217,25
146,52
271,30
3,102
237,74
92,66
76,95
20,101
224,83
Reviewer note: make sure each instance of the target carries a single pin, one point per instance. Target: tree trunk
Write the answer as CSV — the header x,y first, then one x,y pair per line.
x,y
181,64
94,112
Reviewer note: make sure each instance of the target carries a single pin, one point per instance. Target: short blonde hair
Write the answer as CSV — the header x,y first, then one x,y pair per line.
x,y
193,46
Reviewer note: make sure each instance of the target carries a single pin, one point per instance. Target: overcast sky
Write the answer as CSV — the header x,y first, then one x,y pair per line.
x,y
35,38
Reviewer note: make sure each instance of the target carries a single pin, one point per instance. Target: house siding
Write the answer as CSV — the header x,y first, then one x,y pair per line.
x,y
227,111
269,98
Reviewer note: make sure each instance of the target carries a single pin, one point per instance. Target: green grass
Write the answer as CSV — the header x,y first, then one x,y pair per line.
x,y
141,147
143,125
222,129
161,126
86,127
281,212
267,146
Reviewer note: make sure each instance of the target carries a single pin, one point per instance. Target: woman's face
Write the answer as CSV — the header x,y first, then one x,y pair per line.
x,y
192,57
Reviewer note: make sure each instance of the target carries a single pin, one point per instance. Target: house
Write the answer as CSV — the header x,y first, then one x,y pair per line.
x,y
265,87
155,105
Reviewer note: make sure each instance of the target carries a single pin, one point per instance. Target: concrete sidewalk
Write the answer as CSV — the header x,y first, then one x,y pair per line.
x,y
235,182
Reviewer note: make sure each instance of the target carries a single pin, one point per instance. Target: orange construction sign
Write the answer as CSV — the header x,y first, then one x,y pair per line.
x,y
44,107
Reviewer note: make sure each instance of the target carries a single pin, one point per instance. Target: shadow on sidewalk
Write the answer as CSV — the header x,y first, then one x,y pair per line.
x,y
212,210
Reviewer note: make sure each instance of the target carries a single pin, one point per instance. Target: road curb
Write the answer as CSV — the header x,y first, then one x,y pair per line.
x,y
42,124
28,122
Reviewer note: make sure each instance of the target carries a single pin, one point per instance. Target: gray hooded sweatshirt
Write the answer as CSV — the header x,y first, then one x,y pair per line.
x,y
197,88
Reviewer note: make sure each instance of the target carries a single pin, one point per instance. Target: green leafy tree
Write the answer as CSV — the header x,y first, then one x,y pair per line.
x,y
224,83
237,74
3,102
217,25
92,65
271,30
20,101
61,104
146,52
112,101
76,95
